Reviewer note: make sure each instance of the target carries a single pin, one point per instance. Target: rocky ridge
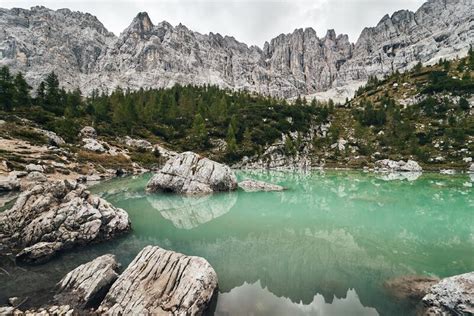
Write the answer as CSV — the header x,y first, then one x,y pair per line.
x,y
85,55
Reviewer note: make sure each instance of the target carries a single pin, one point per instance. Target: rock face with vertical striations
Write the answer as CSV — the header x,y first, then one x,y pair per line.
x,y
85,55
162,282
55,216
87,285
189,173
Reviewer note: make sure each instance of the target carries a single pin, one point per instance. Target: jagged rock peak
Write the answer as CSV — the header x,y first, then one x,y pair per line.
x,y
141,23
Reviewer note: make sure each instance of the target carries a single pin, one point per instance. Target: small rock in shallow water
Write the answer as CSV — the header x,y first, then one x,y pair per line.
x,y
164,283
255,186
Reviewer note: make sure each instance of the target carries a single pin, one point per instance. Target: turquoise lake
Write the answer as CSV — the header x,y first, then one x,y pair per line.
x,y
323,247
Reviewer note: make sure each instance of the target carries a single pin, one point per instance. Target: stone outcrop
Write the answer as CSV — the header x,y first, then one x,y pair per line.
x,y
53,138
140,144
146,55
93,145
255,186
55,216
189,173
88,132
162,282
86,286
401,166
451,296
9,183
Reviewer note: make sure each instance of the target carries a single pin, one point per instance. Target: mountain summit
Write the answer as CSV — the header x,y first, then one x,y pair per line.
x,y
85,55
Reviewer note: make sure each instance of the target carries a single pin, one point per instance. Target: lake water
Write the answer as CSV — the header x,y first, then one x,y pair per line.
x,y
323,247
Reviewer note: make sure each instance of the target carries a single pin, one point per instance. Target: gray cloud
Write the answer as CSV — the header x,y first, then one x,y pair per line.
x,y
252,22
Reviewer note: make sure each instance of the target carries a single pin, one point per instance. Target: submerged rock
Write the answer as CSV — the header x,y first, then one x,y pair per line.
x,y
189,173
255,186
451,296
411,287
162,282
55,216
391,165
86,286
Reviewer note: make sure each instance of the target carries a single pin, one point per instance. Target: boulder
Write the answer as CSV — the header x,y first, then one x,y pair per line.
x,y
162,282
55,216
189,173
451,296
53,138
163,152
254,186
391,165
36,176
93,145
471,168
140,144
39,252
9,183
32,167
86,286
88,132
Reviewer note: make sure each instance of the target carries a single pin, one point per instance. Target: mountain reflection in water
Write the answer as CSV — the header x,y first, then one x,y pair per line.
x,y
253,299
307,250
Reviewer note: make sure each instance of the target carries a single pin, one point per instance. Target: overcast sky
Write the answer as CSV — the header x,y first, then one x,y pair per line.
x,y
252,22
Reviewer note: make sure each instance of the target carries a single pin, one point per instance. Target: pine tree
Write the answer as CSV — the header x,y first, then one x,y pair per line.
x,y
199,132
40,94
230,139
53,94
6,89
21,94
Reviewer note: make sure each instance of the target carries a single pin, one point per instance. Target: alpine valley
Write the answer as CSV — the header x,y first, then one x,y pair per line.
x,y
168,172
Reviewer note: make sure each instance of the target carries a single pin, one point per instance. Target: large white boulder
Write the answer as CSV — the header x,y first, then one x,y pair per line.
x,y
190,173
161,282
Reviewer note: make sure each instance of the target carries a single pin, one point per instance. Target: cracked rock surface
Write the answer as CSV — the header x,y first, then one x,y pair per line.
x,y
189,173
162,282
55,216
87,285
451,296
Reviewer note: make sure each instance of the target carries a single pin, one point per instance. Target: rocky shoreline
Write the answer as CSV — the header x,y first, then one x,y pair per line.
x,y
52,215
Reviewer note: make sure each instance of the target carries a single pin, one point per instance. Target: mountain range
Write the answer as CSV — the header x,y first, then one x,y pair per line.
x,y
86,55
